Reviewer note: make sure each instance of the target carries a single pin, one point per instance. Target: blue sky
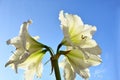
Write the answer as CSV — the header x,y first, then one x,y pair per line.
x,y
104,14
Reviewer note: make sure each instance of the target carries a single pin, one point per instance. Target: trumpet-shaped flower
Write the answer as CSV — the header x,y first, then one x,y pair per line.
x,y
76,33
82,51
33,65
27,49
75,62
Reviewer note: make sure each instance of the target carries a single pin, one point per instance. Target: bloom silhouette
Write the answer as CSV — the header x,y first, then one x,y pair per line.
x,y
28,53
82,51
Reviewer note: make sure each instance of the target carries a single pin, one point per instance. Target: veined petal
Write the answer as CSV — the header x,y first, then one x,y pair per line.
x,y
88,43
39,70
29,74
93,60
36,37
77,58
32,45
71,25
88,30
71,70
68,20
24,32
84,73
33,65
93,50
69,73
24,28
16,41
32,59
14,60
80,64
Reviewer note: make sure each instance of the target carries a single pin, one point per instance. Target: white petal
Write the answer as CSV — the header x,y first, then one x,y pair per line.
x,y
62,19
30,21
93,60
29,74
88,43
16,41
68,20
84,73
23,33
17,54
88,30
69,74
36,37
93,50
24,27
39,70
71,25
78,59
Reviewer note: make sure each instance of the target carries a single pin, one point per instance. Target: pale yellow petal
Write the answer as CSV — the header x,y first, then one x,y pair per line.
x,y
93,60
84,73
88,43
24,28
36,37
62,19
69,73
39,70
93,50
77,58
29,74
16,41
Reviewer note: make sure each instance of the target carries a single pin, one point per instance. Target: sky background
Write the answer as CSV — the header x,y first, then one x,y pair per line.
x,y
104,14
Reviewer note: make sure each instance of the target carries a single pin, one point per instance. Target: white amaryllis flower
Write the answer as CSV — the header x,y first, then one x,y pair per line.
x,y
28,52
33,65
83,51
76,33
75,62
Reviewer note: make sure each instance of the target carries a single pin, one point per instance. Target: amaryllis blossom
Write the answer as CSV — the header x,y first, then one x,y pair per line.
x,y
76,62
28,53
76,33
82,50
33,65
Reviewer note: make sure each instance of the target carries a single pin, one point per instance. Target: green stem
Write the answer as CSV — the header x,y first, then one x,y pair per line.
x,y
56,69
49,49
59,46
54,61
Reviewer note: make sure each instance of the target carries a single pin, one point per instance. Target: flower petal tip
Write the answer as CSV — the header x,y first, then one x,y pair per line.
x,y
30,21
8,63
8,42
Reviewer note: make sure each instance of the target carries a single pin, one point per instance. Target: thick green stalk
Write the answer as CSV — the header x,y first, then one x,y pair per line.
x,y
56,69
54,62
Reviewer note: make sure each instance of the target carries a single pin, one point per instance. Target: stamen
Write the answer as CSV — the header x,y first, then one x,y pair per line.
x,y
84,37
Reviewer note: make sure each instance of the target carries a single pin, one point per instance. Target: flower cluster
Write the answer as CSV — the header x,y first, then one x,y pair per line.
x,y
81,52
